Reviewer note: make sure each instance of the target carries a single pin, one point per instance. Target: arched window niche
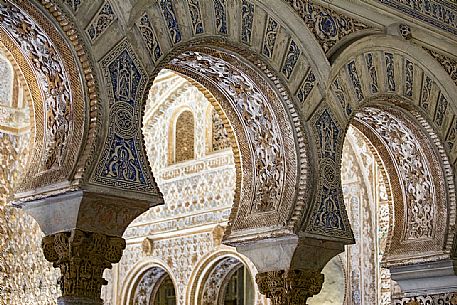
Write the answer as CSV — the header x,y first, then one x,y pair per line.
x,y
181,137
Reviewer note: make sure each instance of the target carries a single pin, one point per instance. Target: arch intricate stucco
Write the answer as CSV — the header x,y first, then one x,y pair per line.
x,y
212,272
58,101
381,70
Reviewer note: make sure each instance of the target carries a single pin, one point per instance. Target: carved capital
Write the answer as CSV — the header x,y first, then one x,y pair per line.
x,y
291,287
82,257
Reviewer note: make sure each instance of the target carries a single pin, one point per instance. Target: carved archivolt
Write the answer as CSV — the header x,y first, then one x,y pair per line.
x,y
210,277
146,285
417,144
259,120
58,101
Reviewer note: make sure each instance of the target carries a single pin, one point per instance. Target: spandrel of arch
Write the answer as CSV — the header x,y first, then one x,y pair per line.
x,y
183,137
356,276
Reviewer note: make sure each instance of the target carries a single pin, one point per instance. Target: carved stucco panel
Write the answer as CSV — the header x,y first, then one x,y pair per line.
x,y
51,75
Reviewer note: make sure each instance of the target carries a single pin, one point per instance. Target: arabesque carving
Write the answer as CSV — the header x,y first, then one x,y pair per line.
x,y
51,77
250,104
291,287
82,257
327,25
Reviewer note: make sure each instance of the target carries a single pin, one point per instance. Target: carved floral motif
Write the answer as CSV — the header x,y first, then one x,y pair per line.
x,y
247,18
149,37
327,25
221,16
269,38
412,167
101,21
250,104
122,162
82,258
432,299
196,15
169,15
51,76
438,13
291,287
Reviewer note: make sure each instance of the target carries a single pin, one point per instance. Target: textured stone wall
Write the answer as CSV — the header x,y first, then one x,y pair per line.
x,y
26,278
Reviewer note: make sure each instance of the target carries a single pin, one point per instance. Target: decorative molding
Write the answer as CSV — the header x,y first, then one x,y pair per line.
x,y
101,21
327,25
149,37
441,14
449,298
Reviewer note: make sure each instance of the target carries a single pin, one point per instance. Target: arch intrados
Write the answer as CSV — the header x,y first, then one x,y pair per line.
x,y
433,152
396,45
55,157
135,275
204,269
375,146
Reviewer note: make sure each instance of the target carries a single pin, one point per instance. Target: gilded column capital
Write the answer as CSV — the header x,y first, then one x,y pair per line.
x,y
82,257
290,287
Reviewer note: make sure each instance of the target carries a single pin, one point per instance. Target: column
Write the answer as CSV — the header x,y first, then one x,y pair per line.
x,y
289,268
82,257
291,287
83,238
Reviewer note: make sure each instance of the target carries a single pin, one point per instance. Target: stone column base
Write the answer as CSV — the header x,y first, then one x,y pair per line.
x,y
78,301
